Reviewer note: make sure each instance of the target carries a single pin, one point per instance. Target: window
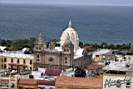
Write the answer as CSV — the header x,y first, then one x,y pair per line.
x,y
30,62
4,59
66,62
128,85
18,61
65,58
30,68
51,59
66,50
4,66
97,55
24,61
38,56
11,60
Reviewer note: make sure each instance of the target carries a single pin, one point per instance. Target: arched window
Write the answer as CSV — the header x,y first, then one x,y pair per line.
x,y
66,62
11,60
65,58
38,56
4,59
4,66
24,61
30,62
18,61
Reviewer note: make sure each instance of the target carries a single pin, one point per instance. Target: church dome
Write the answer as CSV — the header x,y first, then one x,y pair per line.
x,y
67,43
70,34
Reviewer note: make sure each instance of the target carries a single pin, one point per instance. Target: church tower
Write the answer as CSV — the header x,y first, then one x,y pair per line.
x,y
68,52
39,47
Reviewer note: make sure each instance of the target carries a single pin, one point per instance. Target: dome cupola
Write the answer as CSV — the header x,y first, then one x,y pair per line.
x,y
70,34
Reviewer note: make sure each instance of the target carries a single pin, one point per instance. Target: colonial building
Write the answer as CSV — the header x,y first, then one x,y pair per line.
x,y
16,60
67,55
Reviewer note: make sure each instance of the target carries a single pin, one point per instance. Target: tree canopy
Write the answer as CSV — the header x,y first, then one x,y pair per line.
x,y
79,72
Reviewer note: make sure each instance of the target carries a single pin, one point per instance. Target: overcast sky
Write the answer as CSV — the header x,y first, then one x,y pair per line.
x,y
72,2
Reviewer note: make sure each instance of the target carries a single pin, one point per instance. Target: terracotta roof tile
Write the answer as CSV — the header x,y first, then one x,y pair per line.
x,y
79,82
28,81
53,72
45,82
94,66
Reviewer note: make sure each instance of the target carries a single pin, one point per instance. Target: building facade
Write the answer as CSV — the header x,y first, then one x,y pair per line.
x,y
68,54
118,75
116,81
16,60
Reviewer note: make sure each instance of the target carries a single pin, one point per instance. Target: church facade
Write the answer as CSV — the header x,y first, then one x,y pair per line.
x,y
68,54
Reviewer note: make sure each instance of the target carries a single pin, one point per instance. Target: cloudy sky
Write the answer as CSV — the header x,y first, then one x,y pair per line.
x,y
72,2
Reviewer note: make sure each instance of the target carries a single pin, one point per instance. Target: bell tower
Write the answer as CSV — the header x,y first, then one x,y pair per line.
x,y
38,50
68,51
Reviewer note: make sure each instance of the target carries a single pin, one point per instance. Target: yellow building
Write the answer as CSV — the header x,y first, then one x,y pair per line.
x,y
16,60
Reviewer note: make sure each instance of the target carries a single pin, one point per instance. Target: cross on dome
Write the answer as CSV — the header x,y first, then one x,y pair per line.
x,y
70,23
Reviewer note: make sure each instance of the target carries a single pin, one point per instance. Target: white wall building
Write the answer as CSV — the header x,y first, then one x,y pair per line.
x,y
118,75
16,60
117,81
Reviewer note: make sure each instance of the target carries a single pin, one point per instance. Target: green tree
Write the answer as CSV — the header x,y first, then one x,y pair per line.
x,y
79,72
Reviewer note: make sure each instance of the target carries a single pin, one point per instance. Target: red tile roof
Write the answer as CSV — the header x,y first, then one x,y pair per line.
x,y
94,66
28,82
75,82
45,82
53,72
